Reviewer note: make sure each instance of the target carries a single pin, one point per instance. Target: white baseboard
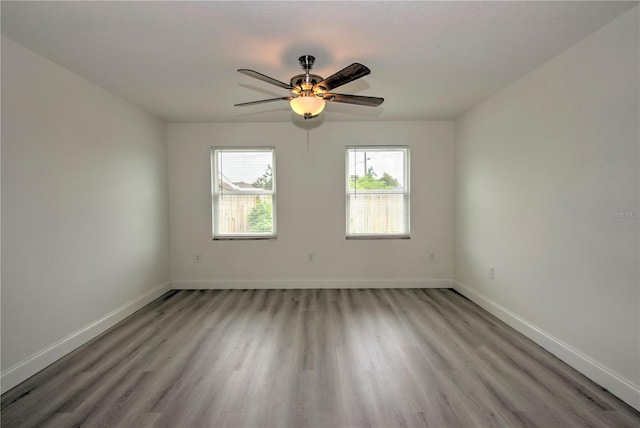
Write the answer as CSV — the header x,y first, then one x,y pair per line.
x,y
38,361
603,376
253,284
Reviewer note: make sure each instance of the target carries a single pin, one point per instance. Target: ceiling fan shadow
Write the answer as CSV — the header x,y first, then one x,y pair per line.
x,y
348,109
284,109
292,53
307,125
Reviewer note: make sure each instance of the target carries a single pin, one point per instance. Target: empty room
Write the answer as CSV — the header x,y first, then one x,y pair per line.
x,y
320,214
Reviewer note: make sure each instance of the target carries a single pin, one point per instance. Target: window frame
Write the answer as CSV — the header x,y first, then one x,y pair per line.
x,y
406,234
215,195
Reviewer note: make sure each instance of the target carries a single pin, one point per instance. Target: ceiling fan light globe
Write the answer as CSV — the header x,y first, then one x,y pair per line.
x,y
309,105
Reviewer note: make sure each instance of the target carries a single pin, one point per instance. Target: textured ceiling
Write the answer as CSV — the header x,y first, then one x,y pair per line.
x,y
178,60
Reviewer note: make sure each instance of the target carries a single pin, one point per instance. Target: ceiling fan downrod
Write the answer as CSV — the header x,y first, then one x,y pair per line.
x,y
305,82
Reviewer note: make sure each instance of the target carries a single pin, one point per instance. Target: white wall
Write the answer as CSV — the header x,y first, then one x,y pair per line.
x,y
547,191
84,211
311,209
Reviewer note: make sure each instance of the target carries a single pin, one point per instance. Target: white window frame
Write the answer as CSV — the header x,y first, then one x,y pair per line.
x,y
217,193
405,192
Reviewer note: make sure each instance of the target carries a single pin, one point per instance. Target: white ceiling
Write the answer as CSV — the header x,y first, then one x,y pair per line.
x,y
178,60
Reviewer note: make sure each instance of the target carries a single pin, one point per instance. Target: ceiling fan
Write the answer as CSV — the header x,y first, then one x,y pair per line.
x,y
310,91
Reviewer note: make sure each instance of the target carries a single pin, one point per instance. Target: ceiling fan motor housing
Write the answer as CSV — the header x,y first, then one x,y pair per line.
x,y
306,81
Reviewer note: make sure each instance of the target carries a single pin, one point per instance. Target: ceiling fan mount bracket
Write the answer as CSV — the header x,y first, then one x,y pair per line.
x,y
306,61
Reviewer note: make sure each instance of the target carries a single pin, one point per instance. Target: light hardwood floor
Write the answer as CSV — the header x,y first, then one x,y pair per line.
x,y
317,358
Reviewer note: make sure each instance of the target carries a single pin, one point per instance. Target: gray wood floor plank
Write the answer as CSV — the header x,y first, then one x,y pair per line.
x,y
312,358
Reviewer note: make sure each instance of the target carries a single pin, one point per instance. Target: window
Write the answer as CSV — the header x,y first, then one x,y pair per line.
x,y
243,182
377,191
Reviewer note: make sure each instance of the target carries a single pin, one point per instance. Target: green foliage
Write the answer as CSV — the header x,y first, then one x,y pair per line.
x,y
368,183
371,182
390,181
266,181
261,217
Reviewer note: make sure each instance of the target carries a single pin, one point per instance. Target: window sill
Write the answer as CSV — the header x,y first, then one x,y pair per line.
x,y
376,237
244,238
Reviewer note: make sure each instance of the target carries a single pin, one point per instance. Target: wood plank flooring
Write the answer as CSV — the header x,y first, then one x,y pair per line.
x,y
312,358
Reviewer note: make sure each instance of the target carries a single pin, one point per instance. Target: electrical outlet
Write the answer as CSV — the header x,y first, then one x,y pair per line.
x,y
310,257
198,258
491,272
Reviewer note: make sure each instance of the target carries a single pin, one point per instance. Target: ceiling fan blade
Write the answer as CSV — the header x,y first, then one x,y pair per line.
x,y
346,75
353,99
265,78
263,101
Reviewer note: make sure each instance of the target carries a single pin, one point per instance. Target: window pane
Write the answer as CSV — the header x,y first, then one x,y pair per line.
x,y
377,213
238,170
244,214
371,168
